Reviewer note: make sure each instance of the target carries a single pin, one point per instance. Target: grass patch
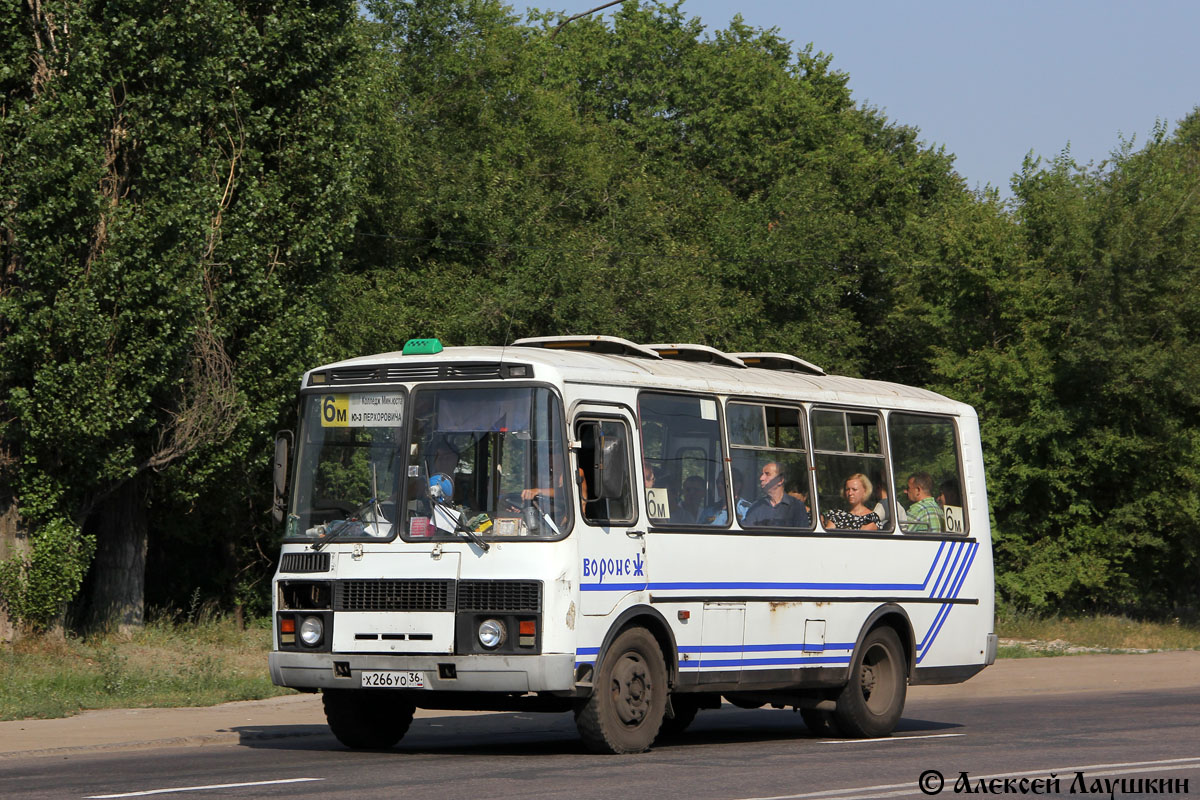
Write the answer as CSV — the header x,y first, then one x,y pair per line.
x,y
1027,636
168,663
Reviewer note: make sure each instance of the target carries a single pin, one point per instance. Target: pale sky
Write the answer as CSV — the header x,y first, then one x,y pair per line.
x,y
994,80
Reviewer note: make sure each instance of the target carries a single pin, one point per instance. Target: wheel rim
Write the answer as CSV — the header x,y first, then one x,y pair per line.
x,y
877,679
632,690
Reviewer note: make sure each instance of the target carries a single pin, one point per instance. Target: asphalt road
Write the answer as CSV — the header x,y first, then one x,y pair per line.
x,y
729,754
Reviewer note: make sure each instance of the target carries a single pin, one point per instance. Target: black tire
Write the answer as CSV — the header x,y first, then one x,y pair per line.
x,y
367,719
686,708
625,710
870,705
820,723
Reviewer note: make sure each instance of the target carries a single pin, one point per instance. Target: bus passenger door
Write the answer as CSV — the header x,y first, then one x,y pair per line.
x,y
611,545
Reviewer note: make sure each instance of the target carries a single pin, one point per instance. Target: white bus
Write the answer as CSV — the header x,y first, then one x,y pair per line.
x,y
628,532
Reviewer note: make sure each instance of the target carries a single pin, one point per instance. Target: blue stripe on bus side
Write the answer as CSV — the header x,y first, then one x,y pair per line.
x,y
764,662
942,572
944,612
941,586
763,648
612,587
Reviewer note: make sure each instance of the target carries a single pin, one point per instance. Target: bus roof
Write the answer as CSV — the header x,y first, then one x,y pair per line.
x,y
615,362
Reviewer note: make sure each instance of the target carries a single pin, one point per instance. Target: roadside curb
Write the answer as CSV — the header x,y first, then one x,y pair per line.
x,y
292,716
197,740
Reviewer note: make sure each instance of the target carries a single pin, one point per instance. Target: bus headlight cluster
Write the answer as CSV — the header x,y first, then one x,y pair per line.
x,y
491,633
311,631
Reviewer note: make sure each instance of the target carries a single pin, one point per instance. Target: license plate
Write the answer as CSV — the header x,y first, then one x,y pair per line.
x,y
394,679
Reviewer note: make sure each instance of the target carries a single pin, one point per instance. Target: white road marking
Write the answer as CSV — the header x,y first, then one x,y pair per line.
x,y
199,788
1066,774
891,739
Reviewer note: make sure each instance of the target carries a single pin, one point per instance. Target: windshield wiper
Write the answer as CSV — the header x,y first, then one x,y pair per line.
x,y
438,500
356,516
459,525
336,528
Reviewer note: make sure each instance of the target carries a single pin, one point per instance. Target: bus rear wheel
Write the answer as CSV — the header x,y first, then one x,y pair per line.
x,y
629,697
870,705
366,719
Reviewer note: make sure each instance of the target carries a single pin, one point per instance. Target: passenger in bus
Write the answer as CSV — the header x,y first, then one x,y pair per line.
x,y
799,491
882,506
692,505
776,508
859,517
718,512
924,515
948,494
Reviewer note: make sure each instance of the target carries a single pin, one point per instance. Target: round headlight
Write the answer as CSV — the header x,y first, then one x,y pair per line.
x,y
491,633
311,631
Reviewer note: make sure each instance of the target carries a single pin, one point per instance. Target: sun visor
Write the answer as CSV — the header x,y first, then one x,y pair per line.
x,y
480,412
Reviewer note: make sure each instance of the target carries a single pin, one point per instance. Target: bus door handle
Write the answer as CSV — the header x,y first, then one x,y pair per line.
x,y
636,534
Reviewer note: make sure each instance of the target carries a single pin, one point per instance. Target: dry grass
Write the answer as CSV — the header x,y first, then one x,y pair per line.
x,y
1024,636
168,663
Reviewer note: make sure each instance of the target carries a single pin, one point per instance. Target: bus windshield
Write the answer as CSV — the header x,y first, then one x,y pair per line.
x,y
348,466
490,460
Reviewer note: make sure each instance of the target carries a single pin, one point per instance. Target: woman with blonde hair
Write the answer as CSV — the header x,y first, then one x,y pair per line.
x,y
859,517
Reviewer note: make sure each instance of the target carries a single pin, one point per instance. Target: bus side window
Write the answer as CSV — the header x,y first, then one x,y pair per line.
x,y
928,476
769,437
848,451
613,436
682,456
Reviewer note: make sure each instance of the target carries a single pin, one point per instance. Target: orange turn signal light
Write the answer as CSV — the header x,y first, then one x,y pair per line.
x,y
528,627
287,625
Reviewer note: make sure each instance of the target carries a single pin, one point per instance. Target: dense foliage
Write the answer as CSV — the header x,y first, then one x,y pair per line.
x,y
196,204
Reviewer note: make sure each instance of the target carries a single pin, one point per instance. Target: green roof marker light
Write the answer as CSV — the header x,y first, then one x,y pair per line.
x,y
422,347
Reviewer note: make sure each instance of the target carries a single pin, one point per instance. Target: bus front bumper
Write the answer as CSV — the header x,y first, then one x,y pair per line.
x,y
473,673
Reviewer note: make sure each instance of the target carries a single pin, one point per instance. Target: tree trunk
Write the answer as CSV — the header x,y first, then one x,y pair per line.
x,y
119,571
14,543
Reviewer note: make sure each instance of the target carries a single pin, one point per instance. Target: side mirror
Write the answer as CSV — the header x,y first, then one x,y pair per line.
x,y
611,468
283,441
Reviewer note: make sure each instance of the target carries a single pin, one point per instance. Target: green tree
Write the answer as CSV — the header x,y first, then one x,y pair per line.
x,y
632,177
176,190
1086,377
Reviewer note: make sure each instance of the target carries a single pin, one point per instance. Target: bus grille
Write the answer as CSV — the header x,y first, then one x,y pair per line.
x,y
304,562
393,595
467,371
499,596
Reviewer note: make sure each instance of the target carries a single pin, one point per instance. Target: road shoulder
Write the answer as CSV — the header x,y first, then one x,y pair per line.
x,y
302,715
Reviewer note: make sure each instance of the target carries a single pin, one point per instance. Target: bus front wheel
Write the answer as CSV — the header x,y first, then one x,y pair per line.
x,y
629,696
871,703
367,719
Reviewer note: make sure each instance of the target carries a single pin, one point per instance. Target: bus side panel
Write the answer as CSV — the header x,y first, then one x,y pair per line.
x,y
806,598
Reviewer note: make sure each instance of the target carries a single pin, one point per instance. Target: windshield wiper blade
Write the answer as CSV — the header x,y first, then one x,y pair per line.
x,y
437,500
460,526
344,524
